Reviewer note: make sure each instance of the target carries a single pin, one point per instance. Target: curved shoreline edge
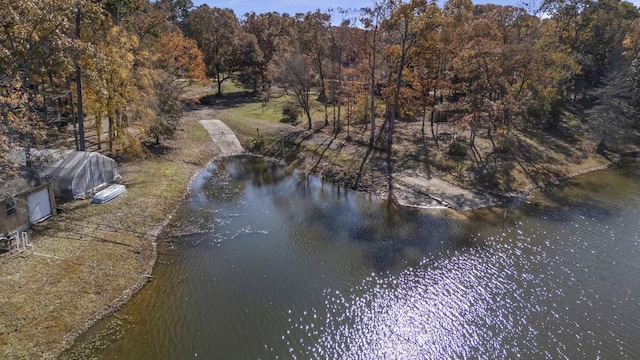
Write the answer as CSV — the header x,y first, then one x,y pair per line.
x,y
220,152
128,294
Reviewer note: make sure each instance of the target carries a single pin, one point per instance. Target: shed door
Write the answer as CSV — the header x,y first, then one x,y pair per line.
x,y
39,205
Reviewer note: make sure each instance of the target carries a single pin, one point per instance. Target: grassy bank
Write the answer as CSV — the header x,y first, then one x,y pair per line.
x,y
532,154
91,258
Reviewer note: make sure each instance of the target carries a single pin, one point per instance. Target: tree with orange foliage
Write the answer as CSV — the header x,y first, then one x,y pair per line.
x,y
406,25
180,57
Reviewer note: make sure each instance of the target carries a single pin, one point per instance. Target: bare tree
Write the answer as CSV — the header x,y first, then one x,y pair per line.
x,y
371,20
298,78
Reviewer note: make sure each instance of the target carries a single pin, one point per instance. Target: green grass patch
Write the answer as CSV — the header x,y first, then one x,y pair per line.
x,y
229,87
271,111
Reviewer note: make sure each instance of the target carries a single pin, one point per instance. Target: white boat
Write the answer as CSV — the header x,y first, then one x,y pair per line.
x,y
109,193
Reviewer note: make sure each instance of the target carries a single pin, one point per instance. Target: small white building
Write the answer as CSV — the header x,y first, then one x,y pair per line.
x,y
23,202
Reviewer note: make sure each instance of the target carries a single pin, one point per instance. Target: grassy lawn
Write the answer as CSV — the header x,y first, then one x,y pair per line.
x,y
248,114
91,258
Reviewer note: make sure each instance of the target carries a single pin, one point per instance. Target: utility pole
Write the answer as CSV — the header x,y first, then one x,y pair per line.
x,y
81,145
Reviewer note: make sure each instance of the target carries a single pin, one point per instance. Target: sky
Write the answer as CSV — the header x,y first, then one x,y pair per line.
x,y
241,7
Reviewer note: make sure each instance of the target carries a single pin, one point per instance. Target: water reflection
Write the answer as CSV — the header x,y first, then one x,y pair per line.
x,y
269,264
460,305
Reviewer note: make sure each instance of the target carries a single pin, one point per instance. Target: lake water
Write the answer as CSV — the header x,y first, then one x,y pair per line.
x,y
260,263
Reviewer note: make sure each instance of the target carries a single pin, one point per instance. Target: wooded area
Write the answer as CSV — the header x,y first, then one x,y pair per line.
x,y
124,62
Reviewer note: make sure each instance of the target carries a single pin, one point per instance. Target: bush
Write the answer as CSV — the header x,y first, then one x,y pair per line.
x,y
455,168
505,142
458,147
290,113
257,145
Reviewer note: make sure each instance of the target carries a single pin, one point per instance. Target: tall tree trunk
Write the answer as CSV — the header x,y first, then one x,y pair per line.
x,y
339,119
394,110
339,98
490,136
219,83
334,119
433,132
81,142
75,119
424,117
99,130
45,105
366,110
326,113
322,97
111,134
308,113
372,134
349,114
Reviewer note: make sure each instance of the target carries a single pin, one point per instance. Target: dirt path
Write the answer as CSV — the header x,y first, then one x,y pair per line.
x,y
419,190
224,139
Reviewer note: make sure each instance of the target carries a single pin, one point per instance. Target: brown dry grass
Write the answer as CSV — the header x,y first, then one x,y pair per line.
x,y
92,258
535,154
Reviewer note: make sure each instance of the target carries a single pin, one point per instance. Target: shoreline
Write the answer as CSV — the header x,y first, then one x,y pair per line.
x,y
145,278
193,156
95,257
134,289
126,296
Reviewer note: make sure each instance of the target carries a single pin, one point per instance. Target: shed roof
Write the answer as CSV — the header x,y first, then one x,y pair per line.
x,y
23,178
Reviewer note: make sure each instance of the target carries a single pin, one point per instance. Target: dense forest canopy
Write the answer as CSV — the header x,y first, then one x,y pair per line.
x,y
123,62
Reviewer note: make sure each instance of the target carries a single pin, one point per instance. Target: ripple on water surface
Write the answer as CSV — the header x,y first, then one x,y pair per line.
x,y
464,304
